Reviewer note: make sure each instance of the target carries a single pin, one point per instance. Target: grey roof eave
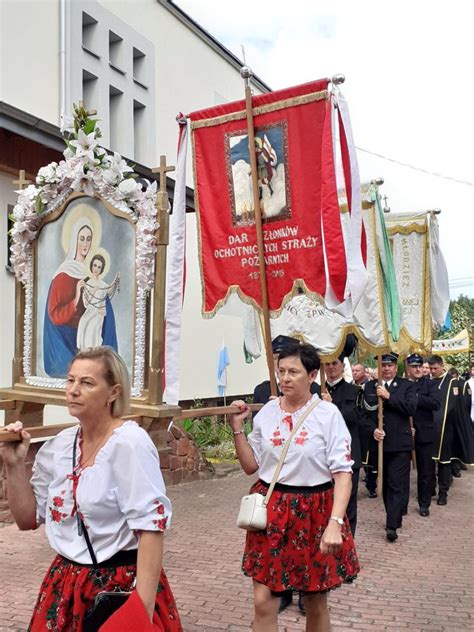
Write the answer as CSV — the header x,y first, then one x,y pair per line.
x,y
39,131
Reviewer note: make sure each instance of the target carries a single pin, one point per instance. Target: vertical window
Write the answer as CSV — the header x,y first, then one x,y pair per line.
x,y
90,90
90,33
139,132
116,51
115,118
139,65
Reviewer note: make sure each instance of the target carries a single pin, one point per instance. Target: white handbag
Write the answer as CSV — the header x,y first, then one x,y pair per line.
x,y
253,507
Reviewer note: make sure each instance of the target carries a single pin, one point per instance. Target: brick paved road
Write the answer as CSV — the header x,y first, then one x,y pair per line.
x,y
423,582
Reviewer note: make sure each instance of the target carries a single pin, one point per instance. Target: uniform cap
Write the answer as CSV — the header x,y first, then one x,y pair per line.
x,y
281,342
415,359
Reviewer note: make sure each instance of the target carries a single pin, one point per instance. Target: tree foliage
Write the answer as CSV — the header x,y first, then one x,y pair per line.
x,y
462,317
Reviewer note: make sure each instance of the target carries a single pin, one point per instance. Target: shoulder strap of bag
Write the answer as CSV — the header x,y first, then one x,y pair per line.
x,y
286,448
81,529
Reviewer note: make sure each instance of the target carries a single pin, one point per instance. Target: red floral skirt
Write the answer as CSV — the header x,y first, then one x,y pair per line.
x,y
286,555
68,591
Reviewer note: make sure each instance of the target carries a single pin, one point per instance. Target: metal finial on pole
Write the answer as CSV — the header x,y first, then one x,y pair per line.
x,y
378,181
337,80
246,73
386,208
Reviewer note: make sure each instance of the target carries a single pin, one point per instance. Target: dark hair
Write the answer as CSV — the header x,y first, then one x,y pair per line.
x,y
435,359
305,352
100,258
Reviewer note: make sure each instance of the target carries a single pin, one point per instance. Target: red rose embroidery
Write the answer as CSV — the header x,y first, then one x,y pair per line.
x,y
57,516
348,452
160,508
58,501
161,523
276,440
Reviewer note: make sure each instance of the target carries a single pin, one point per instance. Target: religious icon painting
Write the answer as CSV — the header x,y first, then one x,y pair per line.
x,y
84,291
85,285
271,150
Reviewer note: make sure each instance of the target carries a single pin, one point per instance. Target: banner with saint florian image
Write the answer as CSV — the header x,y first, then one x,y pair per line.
x,y
298,198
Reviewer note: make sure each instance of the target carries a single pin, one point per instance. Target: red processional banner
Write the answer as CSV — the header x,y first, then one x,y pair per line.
x,y
303,239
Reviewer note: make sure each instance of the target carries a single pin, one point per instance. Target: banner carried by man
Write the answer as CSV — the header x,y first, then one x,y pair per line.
x,y
302,232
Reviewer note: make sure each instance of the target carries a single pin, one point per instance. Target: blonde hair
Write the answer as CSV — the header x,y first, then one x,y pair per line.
x,y
115,373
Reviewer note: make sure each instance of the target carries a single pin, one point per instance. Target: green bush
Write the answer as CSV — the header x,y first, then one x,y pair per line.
x,y
213,435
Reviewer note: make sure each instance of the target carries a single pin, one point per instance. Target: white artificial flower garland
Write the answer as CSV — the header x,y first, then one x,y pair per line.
x,y
86,168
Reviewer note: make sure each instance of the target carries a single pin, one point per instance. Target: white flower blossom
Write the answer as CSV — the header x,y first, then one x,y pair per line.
x,y
47,175
83,182
128,187
85,144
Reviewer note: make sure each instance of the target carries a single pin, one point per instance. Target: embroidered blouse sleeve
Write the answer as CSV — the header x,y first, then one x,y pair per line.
x,y
139,484
255,437
338,441
42,475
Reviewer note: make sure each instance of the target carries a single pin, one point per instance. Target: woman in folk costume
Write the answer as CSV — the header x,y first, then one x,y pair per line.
x,y
307,545
64,305
99,490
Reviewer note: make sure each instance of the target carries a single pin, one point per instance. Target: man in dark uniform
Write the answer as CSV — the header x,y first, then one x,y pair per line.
x,y
399,403
261,395
429,400
444,424
344,396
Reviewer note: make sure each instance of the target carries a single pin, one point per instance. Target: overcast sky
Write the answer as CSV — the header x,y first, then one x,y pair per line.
x,y
409,85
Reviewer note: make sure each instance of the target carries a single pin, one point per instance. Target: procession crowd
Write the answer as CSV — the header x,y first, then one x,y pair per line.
x,y
98,488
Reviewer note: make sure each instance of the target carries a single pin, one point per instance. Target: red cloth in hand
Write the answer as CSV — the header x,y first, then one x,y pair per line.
x,y
132,617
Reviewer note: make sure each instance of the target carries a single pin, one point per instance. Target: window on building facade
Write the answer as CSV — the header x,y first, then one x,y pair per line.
x,y
111,67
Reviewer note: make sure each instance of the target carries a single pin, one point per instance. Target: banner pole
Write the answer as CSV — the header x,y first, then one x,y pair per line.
x,y
380,427
412,427
246,73
322,378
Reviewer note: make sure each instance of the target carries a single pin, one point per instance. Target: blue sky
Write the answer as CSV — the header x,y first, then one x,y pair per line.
x,y
408,68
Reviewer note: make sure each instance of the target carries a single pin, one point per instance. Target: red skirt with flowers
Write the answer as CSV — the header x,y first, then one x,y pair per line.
x,y
68,592
286,555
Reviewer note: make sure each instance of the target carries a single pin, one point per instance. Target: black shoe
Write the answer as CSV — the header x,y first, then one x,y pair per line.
x,y
286,600
392,535
424,511
442,499
463,466
457,474
372,493
433,493
301,605
404,512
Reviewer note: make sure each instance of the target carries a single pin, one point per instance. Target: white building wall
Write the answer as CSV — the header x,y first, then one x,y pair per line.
x,y
29,56
190,75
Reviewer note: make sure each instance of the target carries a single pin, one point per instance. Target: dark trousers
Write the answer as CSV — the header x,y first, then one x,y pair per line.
x,y
425,470
396,486
371,473
444,478
352,505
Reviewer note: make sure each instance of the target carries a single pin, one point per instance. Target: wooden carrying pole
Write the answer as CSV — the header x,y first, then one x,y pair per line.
x,y
410,419
380,427
39,432
322,378
246,73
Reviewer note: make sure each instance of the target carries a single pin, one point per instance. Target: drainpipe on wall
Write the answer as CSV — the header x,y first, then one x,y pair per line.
x,y
62,60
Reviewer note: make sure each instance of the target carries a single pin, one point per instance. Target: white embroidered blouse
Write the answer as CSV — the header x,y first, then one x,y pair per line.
x,y
122,492
321,447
